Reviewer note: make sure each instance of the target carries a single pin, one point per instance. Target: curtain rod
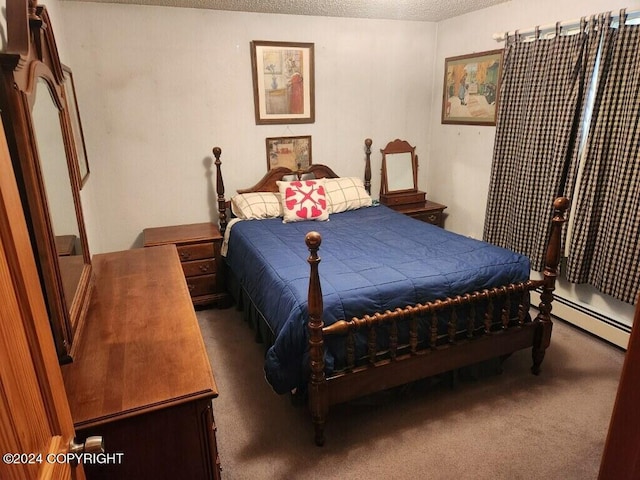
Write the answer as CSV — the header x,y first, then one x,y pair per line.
x,y
500,37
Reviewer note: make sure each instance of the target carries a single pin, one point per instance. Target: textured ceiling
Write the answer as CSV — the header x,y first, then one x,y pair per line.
x,y
419,10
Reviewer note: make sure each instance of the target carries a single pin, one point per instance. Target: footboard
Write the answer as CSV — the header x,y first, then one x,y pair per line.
x,y
488,331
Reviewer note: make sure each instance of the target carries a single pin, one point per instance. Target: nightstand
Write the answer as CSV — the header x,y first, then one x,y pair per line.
x,y
430,212
198,247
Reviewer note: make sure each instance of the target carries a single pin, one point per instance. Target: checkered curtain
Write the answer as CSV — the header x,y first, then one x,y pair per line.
x,y
605,241
542,94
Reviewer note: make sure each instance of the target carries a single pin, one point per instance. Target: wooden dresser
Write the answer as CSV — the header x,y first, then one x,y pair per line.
x,y
140,376
430,212
199,250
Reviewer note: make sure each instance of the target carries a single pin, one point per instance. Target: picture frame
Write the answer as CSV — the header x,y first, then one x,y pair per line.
x,y
471,88
283,82
291,152
82,170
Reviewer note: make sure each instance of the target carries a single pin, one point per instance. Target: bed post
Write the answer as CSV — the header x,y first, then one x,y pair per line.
x,y
367,165
318,401
552,260
222,205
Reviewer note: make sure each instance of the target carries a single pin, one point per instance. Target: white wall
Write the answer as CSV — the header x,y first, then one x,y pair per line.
x,y
460,157
159,87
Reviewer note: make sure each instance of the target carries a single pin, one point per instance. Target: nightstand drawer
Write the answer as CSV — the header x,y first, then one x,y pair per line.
x,y
202,285
196,251
434,218
199,267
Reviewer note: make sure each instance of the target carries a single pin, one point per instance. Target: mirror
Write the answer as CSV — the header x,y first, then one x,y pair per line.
x,y
47,129
399,185
34,103
399,168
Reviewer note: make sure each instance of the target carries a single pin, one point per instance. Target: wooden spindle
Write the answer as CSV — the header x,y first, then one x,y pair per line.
x,y
351,349
453,322
393,338
471,321
433,341
413,334
506,309
372,346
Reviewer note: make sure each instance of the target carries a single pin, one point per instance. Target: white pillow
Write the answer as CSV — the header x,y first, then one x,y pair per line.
x,y
303,200
256,205
346,193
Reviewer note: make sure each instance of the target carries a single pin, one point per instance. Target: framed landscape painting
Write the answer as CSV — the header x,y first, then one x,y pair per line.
x,y
283,83
291,152
471,87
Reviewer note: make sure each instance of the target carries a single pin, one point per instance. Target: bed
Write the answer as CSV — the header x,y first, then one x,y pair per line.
x,y
395,299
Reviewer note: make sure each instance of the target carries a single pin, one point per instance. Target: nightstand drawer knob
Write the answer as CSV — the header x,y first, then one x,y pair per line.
x,y
433,218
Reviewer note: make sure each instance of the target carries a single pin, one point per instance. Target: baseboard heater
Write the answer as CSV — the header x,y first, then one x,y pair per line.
x,y
589,320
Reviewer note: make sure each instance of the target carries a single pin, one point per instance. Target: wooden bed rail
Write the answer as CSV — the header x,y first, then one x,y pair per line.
x,y
344,327
536,333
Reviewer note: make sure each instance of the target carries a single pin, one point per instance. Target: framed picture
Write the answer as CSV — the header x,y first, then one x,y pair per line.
x,y
76,127
283,84
471,86
291,152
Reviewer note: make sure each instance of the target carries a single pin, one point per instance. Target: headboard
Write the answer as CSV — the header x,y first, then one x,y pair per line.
x,y
268,182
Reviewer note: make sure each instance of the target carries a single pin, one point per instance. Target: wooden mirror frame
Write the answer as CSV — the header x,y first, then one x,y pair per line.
x,y
32,54
398,147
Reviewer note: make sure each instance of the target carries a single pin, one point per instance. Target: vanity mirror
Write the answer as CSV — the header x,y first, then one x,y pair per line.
x,y
399,183
39,133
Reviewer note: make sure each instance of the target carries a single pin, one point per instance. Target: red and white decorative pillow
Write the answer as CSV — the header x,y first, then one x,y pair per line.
x,y
303,200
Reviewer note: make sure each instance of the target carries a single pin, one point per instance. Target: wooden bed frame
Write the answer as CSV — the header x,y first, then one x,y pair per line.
x,y
404,363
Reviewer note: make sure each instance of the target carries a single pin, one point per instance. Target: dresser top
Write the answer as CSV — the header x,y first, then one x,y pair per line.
x,y
195,232
140,348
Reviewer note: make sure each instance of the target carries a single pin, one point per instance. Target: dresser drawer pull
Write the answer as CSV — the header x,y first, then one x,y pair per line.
x,y
191,287
204,268
185,255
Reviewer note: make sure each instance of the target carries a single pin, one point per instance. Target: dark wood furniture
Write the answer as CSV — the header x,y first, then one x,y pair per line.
x,y
399,182
141,377
66,245
198,247
429,212
401,364
621,457
34,102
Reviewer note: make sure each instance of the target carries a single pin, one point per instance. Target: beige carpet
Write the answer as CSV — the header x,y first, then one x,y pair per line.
x,y
511,426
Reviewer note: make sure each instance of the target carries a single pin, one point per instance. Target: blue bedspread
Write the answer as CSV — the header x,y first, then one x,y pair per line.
x,y
372,259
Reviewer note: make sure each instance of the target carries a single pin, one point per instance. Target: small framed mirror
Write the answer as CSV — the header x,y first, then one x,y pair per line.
x,y
399,185
399,168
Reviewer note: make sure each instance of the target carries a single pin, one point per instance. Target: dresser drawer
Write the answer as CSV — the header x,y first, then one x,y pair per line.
x,y
201,285
196,251
199,267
